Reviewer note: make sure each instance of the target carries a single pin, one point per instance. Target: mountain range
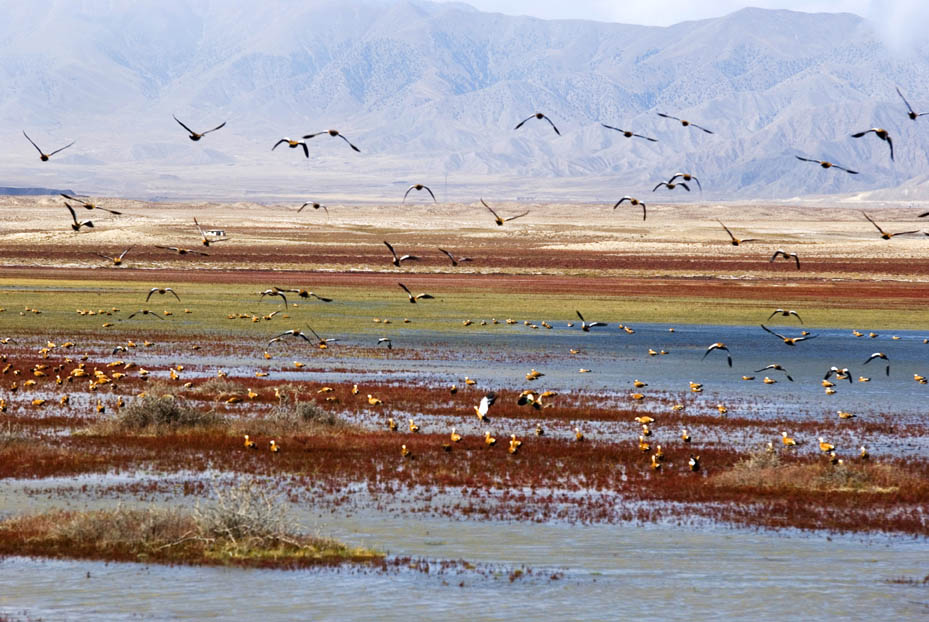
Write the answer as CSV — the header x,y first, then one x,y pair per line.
x,y
431,93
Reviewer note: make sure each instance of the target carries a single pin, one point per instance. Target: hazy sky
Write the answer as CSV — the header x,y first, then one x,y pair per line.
x,y
665,12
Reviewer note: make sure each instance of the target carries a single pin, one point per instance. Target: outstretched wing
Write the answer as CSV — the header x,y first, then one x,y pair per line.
x,y
495,213
518,125
877,226
33,143
667,116
184,126
552,124
808,159
408,190
449,255
168,289
429,190
906,103
847,170
406,289
278,143
350,143
218,127
73,215
700,127
617,204
62,149
391,249
772,332
526,213
727,230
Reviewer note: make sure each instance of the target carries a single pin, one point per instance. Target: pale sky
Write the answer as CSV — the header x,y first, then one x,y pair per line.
x,y
666,12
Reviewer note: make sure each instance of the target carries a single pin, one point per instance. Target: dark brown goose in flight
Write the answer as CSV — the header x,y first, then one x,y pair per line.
x,y
627,133
42,155
684,122
537,115
293,144
333,133
882,134
89,205
826,164
194,136
497,218
419,187
910,112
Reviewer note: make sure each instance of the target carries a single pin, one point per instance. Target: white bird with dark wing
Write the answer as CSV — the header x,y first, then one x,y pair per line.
x,y
413,298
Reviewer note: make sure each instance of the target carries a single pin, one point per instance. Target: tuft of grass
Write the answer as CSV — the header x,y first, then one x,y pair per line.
x,y
295,416
245,527
162,412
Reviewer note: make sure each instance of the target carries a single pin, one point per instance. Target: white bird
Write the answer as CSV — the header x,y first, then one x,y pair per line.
x,y
585,325
486,402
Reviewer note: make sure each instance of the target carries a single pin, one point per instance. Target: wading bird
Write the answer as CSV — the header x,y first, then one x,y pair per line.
x,y
627,133
419,187
413,298
671,186
76,224
90,205
397,260
314,205
42,155
194,136
162,291
585,325
486,402
499,220
333,133
880,355
787,440
183,251
785,313
885,235
537,115
790,341
734,240
717,346
117,259
293,144
686,177
684,122
455,261
786,255
632,201
882,134
910,112
824,446
825,164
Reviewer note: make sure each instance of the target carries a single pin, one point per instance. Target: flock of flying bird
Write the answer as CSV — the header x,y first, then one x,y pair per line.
x,y
684,180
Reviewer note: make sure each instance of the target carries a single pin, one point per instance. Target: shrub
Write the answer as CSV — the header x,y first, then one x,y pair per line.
x,y
163,412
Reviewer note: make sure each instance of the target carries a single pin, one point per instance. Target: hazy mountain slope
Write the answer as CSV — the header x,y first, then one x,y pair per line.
x,y
434,89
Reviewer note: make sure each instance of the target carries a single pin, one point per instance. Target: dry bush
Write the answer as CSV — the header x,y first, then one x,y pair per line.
x,y
146,529
163,412
305,417
11,434
219,387
245,512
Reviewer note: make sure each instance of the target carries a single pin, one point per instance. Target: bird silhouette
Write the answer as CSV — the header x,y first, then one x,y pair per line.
x,y
884,234
293,144
497,218
42,155
194,136
76,225
734,240
455,260
882,134
537,115
398,259
419,187
632,201
826,164
684,122
785,255
627,133
333,133
413,298
910,112
89,205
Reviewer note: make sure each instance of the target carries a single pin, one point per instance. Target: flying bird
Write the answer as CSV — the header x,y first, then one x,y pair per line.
x,y
882,134
684,122
194,136
790,341
76,225
206,241
162,291
632,201
537,115
627,133
499,220
719,346
885,235
455,261
88,205
304,294
686,177
274,292
314,205
386,340
785,313
585,326
293,144
776,366
42,155
419,187
397,260
880,355
734,240
413,298
910,112
671,186
825,164
486,402
333,133
786,255
144,312
182,251
117,259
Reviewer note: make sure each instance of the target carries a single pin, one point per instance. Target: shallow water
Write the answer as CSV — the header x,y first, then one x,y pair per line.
x,y
606,573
